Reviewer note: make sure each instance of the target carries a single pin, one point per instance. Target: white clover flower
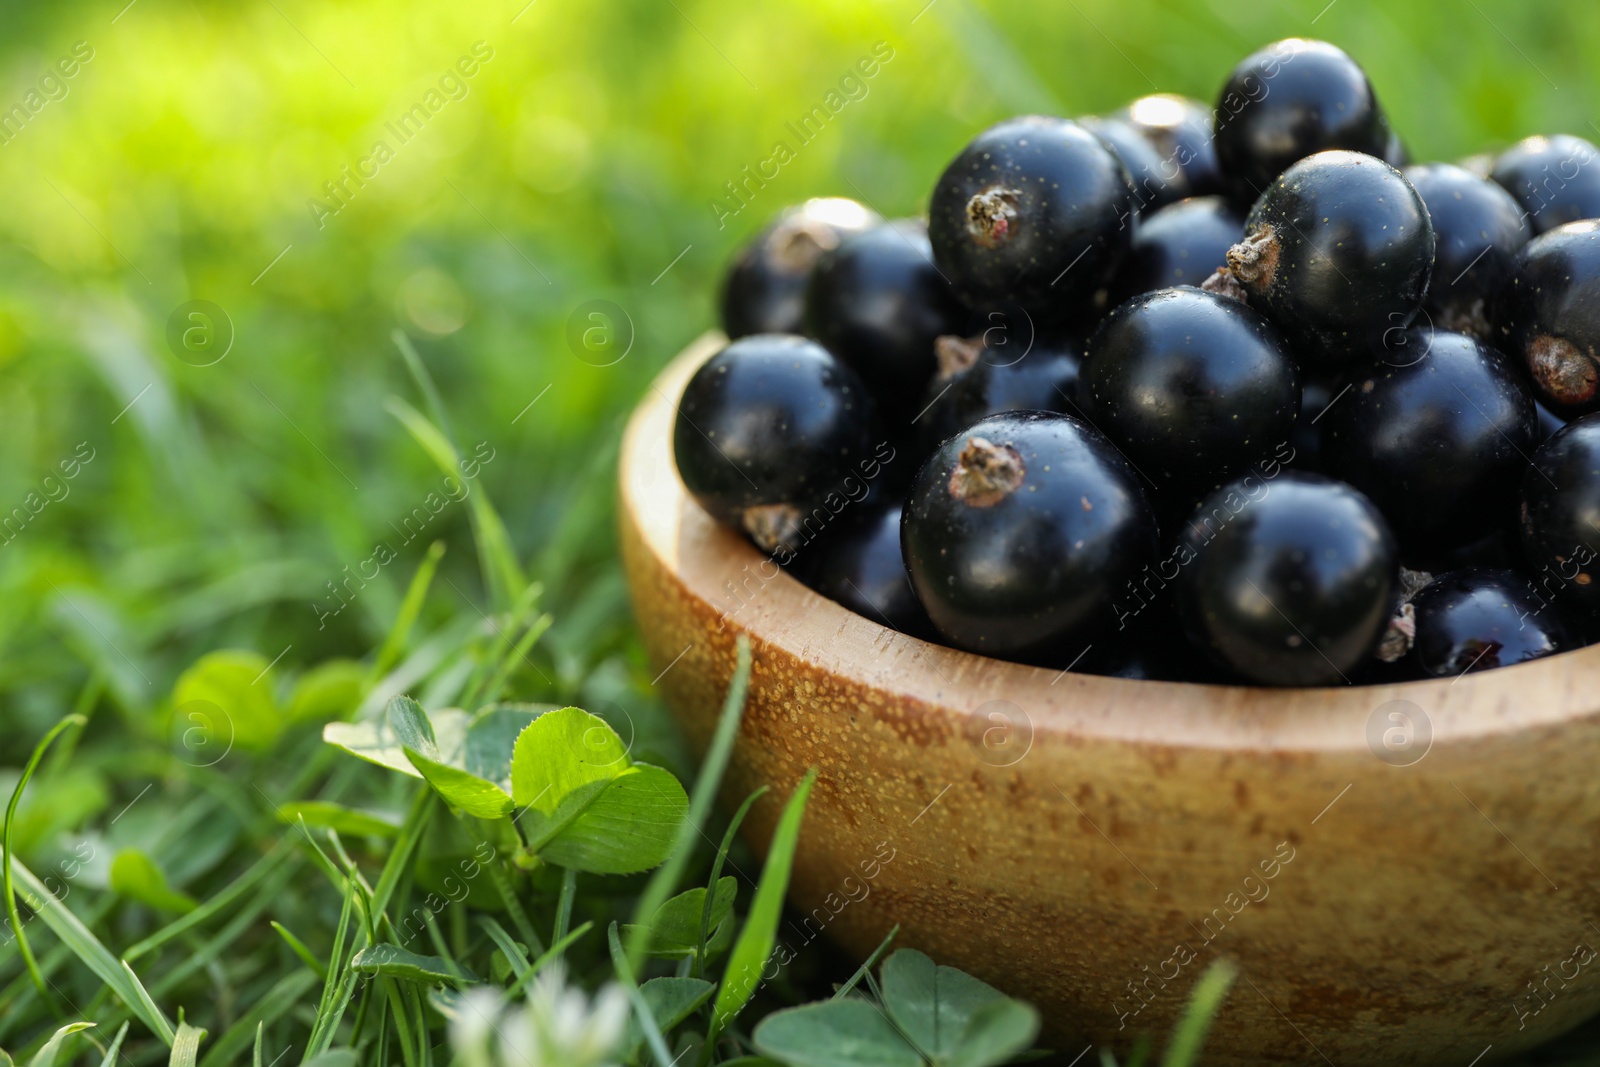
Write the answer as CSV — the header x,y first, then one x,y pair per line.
x,y
559,1026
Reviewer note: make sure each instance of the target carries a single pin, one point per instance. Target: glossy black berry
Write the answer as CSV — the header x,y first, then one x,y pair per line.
x,y
1191,386
1555,179
1180,129
767,429
1549,422
1035,210
1477,229
1290,100
1551,314
1020,531
1479,619
1395,152
976,380
1156,182
765,288
1316,393
1338,252
859,566
877,302
1182,244
1560,516
1438,441
1287,581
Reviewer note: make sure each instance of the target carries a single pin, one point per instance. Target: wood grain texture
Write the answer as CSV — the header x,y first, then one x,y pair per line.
x,y
1091,844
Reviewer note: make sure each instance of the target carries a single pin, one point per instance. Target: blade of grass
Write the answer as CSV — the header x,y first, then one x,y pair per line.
x,y
716,874
527,601
298,947
5,846
1204,1002
272,1005
186,1044
94,955
569,889
537,965
502,574
506,944
664,882
750,951
410,607
220,902
110,1057
866,965
647,1019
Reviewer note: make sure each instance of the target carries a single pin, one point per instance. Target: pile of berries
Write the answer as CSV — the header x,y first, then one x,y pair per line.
x,y
1229,394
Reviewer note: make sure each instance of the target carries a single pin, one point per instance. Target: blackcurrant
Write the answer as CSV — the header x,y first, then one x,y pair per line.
x,y
1191,386
1479,619
1287,581
1478,229
1560,516
767,429
1180,129
1156,182
859,566
1291,99
1182,244
1549,422
1437,440
877,302
1551,312
1555,179
1035,210
1019,533
976,380
765,288
1316,393
1338,252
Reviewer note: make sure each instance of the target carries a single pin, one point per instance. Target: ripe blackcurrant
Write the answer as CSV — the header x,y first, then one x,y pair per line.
x,y
1020,531
1338,252
1156,182
1437,441
1287,581
1180,129
1560,515
1555,179
1551,312
764,291
1478,619
1290,100
1179,245
1192,386
860,566
1478,229
1035,210
976,380
877,302
767,429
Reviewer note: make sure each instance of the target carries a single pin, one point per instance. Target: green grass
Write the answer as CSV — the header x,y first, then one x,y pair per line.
x,y
219,507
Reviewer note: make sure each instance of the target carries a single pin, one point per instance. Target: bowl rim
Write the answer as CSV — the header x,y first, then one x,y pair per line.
x,y
706,561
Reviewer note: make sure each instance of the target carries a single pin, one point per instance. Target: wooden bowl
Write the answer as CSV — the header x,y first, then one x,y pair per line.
x,y
1404,874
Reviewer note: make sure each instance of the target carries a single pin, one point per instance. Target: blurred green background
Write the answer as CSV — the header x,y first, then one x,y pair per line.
x,y
581,162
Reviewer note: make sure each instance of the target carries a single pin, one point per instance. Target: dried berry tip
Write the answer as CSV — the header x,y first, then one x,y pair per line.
x,y
986,473
991,215
772,526
797,244
1254,260
956,354
1223,283
1566,375
1402,630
